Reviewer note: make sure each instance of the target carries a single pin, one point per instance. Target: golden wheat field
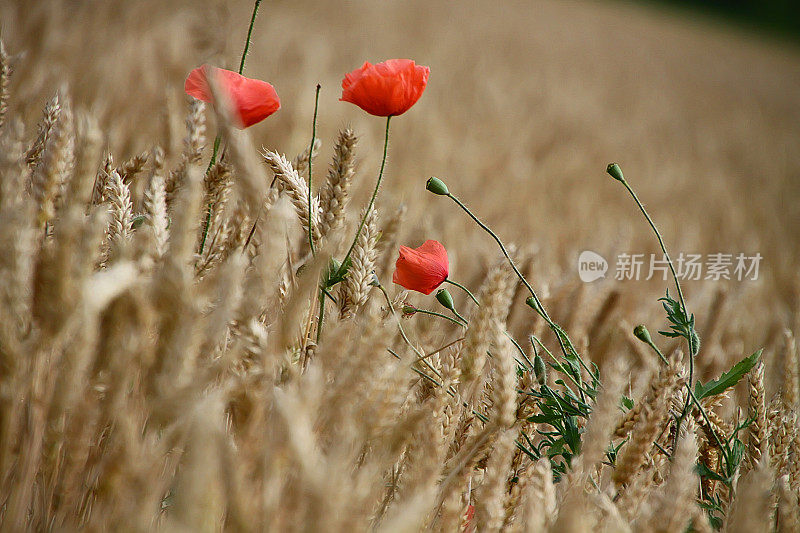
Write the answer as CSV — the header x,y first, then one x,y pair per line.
x,y
200,328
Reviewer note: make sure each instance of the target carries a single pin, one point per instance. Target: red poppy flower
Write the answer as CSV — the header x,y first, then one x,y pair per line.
x,y
385,89
252,100
422,269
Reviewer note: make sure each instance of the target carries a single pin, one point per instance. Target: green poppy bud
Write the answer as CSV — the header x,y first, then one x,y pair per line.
x,y
615,172
409,310
539,370
437,186
641,333
530,301
444,297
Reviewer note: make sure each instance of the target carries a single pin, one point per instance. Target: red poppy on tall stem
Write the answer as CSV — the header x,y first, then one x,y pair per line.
x,y
422,269
385,89
252,100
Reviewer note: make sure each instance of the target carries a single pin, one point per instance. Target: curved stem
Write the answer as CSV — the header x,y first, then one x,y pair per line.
x,y
559,333
463,288
661,243
441,315
310,161
692,352
461,318
371,200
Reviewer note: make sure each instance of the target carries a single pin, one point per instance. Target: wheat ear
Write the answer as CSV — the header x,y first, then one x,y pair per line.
x,y
5,79
334,194
297,189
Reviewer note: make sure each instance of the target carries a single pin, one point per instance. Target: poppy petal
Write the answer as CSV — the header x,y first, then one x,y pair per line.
x,y
385,89
422,269
253,100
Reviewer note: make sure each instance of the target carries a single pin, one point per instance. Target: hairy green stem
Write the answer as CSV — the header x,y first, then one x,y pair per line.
x,y
249,34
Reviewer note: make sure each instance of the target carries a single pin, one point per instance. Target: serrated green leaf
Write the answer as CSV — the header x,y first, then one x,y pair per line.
x,y
626,402
728,379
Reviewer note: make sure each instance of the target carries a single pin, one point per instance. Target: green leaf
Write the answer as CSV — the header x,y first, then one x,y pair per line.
x,y
728,379
626,402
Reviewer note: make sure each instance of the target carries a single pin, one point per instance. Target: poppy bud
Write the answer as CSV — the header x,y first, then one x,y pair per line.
x,y
530,301
641,333
437,186
444,297
615,172
539,370
409,310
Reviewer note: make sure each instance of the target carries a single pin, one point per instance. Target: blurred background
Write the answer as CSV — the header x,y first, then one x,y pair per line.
x,y
527,102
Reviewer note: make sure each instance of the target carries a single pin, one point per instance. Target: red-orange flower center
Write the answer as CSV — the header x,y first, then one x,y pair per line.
x,y
252,100
385,89
422,269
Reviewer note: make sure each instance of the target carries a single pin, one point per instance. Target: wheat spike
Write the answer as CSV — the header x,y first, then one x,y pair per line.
x,y
52,110
193,144
17,239
677,497
121,209
356,286
133,167
791,373
155,204
601,423
757,411
489,512
334,194
485,324
217,186
753,501
101,179
5,81
648,425
55,162
289,180
540,500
